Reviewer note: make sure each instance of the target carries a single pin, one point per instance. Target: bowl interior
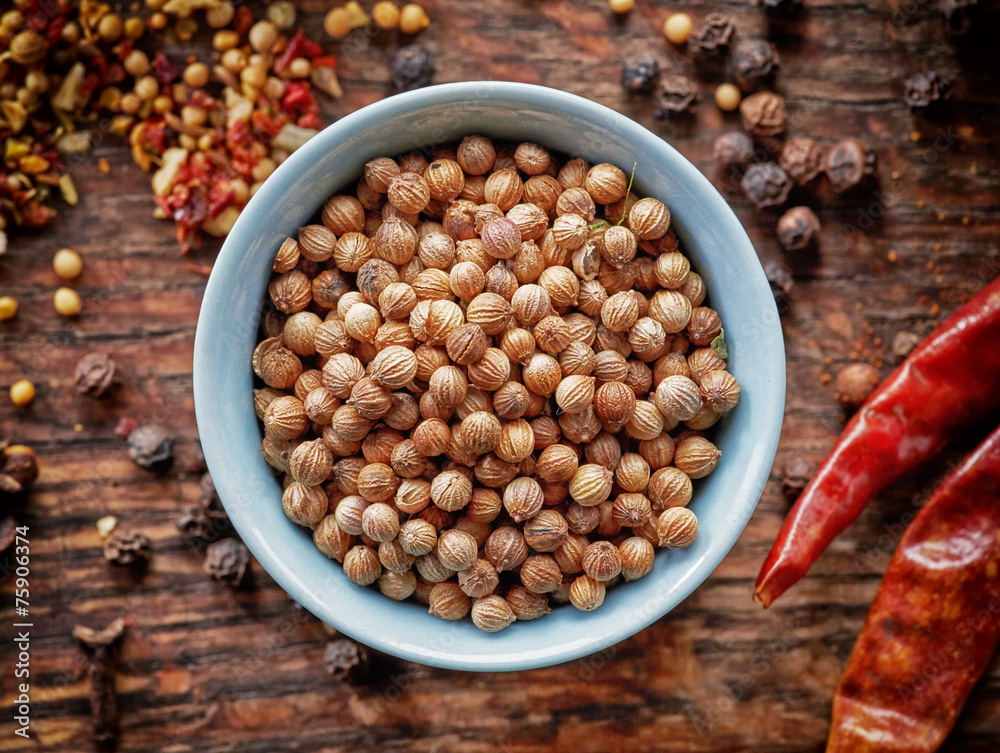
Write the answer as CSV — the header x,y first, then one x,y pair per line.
x,y
719,250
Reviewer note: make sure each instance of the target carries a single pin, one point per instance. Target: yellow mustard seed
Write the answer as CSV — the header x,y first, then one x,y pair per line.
x,y
412,19
8,307
386,14
22,392
727,97
337,23
66,302
67,263
677,27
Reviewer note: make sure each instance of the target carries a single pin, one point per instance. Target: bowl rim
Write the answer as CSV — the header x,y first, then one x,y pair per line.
x,y
219,287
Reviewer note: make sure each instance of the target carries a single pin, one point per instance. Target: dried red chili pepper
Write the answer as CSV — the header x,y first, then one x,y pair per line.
x,y
298,47
947,383
933,625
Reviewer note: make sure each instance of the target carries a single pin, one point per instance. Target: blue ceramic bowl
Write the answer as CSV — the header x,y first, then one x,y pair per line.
x,y
718,248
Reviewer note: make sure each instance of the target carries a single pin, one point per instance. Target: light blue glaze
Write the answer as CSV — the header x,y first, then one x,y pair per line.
x,y
719,250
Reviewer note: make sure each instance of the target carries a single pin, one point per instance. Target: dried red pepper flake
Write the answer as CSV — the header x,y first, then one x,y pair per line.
x,y
163,69
299,46
243,20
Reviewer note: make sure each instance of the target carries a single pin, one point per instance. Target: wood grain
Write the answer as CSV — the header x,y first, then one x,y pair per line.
x,y
207,669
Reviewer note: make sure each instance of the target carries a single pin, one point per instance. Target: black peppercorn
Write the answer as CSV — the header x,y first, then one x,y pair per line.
x,y
712,36
412,68
346,661
848,163
8,532
802,159
127,548
95,374
227,560
798,228
763,114
796,474
779,276
209,496
674,95
926,89
766,185
202,526
151,447
754,60
780,7
957,14
732,149
639,75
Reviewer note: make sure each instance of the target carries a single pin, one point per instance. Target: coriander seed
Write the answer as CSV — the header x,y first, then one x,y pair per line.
x,y
361,565
492,614
677,528
456,549
637,558
586,594
448,601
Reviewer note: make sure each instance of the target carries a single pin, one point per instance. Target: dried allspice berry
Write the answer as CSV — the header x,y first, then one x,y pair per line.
x,y
796,474
798,228
802,159
780,7
925,89
766,185
227,560
151,447
848,163
209,497
674,95
95,374
712,36
763,114
753,63
639,75
732,149
958,14
202,525
127,548
346,661
855,383
779,276
412,68
8,532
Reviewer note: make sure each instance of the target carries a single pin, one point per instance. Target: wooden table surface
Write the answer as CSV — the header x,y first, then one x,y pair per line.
x,y
205,668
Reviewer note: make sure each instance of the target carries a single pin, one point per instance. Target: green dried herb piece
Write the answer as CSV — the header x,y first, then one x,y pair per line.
x,y
719,345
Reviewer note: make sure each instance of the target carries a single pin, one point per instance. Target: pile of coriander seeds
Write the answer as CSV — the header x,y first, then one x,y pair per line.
x,y
486,380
